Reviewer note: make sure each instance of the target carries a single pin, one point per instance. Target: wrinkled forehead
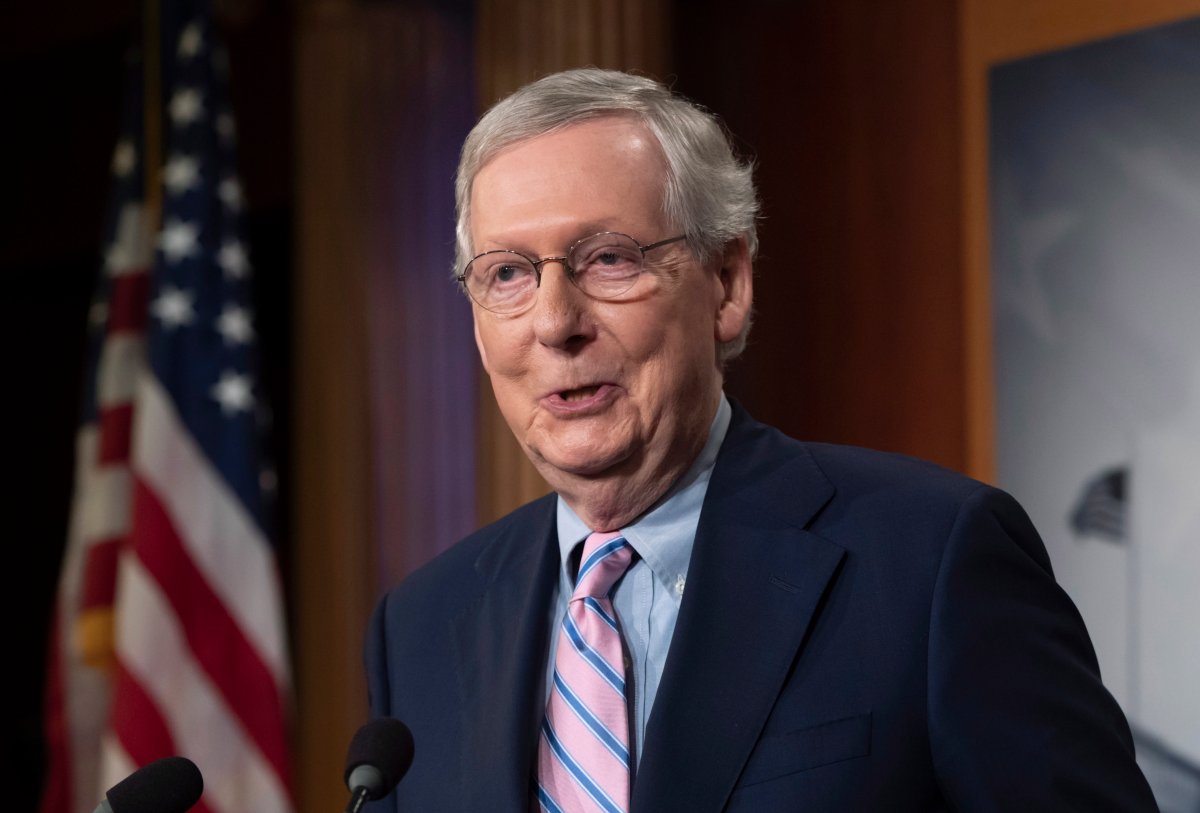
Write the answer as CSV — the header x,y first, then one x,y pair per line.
x,y
610,126
605,173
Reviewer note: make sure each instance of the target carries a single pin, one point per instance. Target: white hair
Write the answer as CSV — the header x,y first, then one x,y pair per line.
x,y
709,194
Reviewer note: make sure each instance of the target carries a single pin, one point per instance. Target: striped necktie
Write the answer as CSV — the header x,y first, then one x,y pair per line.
x,y
583,756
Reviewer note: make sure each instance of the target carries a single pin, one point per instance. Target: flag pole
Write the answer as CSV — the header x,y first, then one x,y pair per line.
x,y
152,66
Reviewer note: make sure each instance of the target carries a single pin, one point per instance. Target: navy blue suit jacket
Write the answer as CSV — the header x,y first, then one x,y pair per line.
x,y
859,632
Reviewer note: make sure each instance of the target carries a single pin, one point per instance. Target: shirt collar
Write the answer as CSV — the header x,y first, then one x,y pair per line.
x,y
663,535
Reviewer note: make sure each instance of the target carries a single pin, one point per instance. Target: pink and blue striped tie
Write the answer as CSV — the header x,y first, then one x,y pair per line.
x,y
583,756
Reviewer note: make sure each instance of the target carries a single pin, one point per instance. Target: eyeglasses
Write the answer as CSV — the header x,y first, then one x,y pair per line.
x,y
603,266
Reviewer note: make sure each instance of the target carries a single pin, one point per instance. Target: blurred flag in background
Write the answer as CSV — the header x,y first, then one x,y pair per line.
x,y
169,634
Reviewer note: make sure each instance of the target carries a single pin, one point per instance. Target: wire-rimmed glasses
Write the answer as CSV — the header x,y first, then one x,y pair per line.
x,y
603,266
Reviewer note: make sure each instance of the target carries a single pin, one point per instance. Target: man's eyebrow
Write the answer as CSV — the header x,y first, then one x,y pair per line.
x,y
579,232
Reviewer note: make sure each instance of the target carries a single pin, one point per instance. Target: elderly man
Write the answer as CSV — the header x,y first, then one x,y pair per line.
x,y
707,615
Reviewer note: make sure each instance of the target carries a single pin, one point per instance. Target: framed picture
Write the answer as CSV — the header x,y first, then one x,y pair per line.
x,y
1094,193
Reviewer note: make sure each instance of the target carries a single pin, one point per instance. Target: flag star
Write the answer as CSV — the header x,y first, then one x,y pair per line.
x,y
230,193
173,307
233,392
233,261
226,128
234,325
190,41
181,174
124,158
179,240
187,105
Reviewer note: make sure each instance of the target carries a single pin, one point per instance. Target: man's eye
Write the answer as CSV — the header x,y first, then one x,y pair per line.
x,y
506,273
610,259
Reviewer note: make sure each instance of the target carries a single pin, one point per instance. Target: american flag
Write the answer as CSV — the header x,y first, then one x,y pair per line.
x,y
169,634
1103,506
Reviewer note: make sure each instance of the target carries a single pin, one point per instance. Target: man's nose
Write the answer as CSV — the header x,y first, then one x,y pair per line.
x,y
558,312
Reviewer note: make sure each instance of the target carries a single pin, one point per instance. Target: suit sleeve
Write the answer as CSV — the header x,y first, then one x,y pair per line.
x,y
378,692
1018,717
375,662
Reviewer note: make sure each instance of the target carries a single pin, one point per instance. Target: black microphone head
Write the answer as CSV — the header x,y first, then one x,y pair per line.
x,y
378,757
168,785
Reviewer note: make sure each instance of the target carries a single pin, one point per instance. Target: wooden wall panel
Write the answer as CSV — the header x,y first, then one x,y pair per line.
x,y
385,369
851,110
332,516
519,41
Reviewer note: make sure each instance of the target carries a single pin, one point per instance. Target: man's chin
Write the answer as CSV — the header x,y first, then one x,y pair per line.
x,y
557,465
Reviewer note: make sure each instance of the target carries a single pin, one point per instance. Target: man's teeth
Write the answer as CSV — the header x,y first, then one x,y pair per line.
x,y
579,394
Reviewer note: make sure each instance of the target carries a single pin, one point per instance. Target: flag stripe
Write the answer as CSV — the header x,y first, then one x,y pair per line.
x,y
133,249
102,510
127,303
115,762
225,543
154,651
216,642
149,739
100,574
116,423
122,359
83,693
58,786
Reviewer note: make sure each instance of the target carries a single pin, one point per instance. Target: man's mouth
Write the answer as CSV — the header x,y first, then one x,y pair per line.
x,y
580,393
575,402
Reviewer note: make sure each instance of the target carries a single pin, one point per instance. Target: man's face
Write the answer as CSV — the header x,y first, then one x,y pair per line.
x,y
600,390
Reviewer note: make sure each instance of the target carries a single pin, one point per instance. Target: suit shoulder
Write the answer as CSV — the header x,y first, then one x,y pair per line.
x,y
763,452
841,486
894,496
857,468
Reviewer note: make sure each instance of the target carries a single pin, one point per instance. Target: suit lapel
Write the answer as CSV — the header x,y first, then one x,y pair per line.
x,y
500,647
754,584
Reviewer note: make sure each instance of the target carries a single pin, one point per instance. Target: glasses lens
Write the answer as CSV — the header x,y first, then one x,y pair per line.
x,y
501,281
606,265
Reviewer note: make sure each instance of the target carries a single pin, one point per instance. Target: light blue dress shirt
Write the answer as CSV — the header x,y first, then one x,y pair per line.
x,y
647,598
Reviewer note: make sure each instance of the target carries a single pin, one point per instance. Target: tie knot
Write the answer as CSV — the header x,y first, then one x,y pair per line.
x,y
606,557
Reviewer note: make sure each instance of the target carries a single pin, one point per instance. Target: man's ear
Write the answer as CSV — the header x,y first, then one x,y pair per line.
x,y
736,276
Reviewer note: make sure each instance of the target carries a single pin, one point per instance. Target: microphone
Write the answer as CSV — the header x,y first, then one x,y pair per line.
x,y
378,757
168,785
